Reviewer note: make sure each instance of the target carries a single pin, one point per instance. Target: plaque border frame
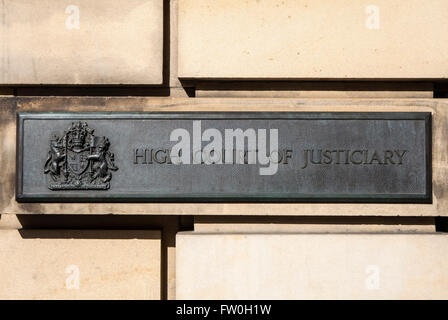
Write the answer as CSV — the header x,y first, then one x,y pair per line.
x,y
425,198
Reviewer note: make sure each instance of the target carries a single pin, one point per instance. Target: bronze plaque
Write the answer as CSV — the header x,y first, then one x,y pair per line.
x,y
224,157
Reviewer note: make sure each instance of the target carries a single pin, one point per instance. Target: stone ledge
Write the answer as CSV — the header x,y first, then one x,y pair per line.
x,y
9,107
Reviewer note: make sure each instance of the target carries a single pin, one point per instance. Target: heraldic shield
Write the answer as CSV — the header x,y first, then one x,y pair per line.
x,y
79,160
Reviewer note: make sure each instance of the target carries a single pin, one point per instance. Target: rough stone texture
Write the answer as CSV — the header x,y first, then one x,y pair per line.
x,y
313,94
300,39
119,43
41,264
311,266
313,89
438,107
297,224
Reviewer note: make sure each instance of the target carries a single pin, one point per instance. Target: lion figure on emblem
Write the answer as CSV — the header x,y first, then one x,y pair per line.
x,y
54,159
103,161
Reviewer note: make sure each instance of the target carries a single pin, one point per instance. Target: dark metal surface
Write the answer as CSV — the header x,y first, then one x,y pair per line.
x,y
323,157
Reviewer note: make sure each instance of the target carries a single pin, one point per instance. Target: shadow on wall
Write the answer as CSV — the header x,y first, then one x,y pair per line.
x,y
86,227
87,234
442,224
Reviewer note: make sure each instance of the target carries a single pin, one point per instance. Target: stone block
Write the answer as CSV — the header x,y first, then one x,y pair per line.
x,y
80,264
325,39
81,42
311,266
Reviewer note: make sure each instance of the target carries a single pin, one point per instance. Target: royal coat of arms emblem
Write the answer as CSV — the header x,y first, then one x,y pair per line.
x,y
79,160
